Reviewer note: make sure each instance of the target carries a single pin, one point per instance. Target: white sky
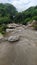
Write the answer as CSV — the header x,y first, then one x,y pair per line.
x,y
21,4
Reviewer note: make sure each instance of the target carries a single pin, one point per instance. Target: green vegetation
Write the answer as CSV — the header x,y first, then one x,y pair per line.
x,y
27,15
3,28
9,14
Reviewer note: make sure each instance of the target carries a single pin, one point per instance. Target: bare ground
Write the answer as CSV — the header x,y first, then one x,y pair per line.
x,y
22,52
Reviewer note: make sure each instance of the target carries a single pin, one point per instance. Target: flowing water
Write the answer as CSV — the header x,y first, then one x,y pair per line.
x,y
22,52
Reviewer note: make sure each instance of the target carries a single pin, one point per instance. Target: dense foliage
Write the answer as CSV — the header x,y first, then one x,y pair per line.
x,y
7,12
27,15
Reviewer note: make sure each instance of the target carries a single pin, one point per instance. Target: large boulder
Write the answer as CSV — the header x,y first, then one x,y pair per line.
x,y
13,38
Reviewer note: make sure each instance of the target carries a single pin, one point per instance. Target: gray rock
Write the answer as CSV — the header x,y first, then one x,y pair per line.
x,y
13,38
9,30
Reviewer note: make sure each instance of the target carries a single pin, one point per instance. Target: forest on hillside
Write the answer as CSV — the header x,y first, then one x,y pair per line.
x,y
27,15
8,14
7,11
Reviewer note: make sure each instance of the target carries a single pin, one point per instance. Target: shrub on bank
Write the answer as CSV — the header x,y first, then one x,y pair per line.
x,y
3,28
34,18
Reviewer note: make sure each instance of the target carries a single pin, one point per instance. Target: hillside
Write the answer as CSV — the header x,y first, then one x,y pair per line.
x,y
27,15
7,11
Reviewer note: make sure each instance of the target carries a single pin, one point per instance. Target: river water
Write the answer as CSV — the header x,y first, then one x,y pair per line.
x,y
22,52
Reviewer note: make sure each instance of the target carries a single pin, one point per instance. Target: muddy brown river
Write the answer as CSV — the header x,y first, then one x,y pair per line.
x,y
22,52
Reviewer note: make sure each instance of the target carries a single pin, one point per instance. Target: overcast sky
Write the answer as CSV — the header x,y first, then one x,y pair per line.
x,y
21,4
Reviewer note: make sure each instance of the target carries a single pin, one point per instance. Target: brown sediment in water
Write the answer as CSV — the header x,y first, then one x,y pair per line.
x,y
22,52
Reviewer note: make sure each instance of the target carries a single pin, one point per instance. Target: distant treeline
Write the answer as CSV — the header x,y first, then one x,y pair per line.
x,y
9,14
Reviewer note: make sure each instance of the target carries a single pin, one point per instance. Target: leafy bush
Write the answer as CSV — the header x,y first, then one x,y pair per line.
x,y
3,28
27,15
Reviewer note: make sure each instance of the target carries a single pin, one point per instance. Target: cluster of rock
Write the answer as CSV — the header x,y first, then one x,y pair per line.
x,y
11,37
16,28
12,26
